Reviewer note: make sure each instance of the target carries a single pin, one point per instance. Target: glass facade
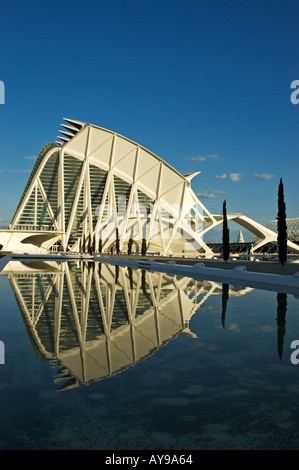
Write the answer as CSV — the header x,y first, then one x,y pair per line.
x,y
36,165
49,181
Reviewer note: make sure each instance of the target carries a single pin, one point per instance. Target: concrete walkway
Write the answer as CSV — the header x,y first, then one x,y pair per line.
x,y
269,267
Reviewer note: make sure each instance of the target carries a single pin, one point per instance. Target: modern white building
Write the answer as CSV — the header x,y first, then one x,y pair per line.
x,y
94,188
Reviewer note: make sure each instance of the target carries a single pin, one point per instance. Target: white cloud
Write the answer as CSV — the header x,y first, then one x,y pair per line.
x,y
202,158
221,177
232,177
264,176
30,157
197,159
11,170
208,194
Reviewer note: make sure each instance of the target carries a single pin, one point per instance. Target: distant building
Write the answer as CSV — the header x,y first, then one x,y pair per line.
x,y
240,237
292,228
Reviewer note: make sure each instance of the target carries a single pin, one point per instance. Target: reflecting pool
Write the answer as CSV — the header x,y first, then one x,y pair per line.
x,y
107,357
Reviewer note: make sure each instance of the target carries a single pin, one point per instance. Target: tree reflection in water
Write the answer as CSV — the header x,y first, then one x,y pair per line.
x,y
281,321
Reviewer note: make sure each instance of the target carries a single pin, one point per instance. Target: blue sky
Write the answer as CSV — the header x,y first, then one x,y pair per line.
x,y
204,84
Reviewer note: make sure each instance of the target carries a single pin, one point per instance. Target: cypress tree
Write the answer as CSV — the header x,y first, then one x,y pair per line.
x,y
225,234
225,295
94,243
281,321
116,273
89,244
130,271
130,245
143,247
117,242
281,225
143,282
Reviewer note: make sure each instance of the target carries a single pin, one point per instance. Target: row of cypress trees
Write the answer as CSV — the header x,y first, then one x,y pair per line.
x,y
90,245
281,228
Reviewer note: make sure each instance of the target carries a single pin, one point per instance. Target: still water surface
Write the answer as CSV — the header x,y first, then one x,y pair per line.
x,y
106,357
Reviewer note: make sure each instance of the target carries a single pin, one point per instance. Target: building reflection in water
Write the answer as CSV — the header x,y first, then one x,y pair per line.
x,y
94,320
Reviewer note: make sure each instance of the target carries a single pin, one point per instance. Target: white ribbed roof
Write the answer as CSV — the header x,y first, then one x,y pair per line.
x,y
131,162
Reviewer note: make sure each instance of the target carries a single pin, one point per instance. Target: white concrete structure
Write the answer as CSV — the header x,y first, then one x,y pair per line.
x,y
95,186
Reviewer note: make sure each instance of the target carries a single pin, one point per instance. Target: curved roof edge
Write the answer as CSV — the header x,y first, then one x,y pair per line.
x,y
75,126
